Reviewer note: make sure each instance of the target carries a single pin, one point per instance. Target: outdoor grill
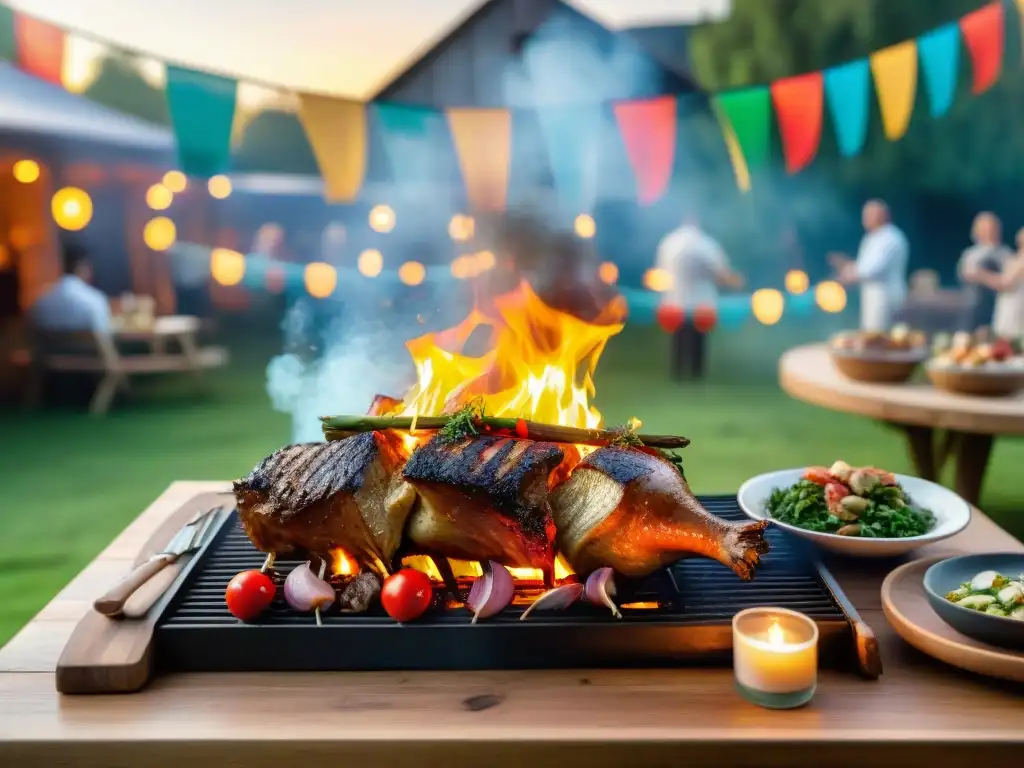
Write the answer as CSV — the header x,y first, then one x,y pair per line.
x,y
681,615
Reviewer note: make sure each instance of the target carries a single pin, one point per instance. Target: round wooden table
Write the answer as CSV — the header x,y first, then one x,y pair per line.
x,y
937,424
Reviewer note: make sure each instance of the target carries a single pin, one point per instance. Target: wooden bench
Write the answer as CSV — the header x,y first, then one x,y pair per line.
x,y
97,353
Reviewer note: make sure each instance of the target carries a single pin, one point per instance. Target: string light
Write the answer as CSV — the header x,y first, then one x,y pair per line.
x,y
462,267
608,272
71,208
159,197
26,171
797,281
321,279
370,263
767,305
830,296
175,181
461,228
657,279
219,187
160,233
585,226
382,219
412,273
485,260
227,267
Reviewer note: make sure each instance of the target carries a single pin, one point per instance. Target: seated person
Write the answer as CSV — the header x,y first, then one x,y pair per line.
x,y
72,303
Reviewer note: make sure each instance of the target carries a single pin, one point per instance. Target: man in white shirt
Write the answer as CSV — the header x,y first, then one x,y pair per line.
x,y
697,266
880,268
72,304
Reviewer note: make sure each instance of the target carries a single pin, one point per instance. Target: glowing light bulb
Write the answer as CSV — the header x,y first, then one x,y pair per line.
x,y
370,263
412,273
485,260
71,208
797,281
159,233
175,181
830,296
767,305
608,272
227,267
26,171
159,197
461,227
219,187
321,279
657,279
585,226
382,219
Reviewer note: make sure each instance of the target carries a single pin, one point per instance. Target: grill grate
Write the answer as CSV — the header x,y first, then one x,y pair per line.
x,y
688,619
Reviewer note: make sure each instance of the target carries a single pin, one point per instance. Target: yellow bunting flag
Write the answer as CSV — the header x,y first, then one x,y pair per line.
x,y
732,144
483,143
895,72
337,132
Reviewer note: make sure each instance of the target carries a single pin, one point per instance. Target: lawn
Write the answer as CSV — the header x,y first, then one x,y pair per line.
x,y
72,482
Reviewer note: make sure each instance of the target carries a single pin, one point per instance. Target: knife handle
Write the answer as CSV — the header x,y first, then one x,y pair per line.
x,y
112,603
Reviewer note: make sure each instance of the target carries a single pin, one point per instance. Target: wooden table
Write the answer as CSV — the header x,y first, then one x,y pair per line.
x,y
920,710
969,424
180,328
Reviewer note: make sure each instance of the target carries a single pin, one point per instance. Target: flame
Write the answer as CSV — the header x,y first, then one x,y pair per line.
x,y
468,569
775,634
342,564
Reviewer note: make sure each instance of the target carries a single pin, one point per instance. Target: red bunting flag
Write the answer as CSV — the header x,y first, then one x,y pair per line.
x,y
984,35
798,106
649,131
40,48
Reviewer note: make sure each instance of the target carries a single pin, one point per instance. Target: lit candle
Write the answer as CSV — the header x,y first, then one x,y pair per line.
x,y
775,657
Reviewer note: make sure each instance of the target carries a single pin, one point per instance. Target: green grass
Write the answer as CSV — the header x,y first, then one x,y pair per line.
x,y
71,482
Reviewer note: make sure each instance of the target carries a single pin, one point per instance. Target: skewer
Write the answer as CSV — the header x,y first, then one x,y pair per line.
x,y
269,562
323,569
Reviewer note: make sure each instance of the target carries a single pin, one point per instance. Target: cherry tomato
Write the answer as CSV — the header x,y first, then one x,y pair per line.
x,y
818,475
248,594
406,594
834,493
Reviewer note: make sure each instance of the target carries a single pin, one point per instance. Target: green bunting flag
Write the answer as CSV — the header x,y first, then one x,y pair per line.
x,y
749,113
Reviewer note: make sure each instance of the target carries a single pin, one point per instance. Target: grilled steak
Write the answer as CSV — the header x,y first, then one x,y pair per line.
x,y
313,497
633,510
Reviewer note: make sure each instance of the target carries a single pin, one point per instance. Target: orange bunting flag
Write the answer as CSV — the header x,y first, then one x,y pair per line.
x,y
40,48
799,103
483,143
337,132
895,72
984,34
649,131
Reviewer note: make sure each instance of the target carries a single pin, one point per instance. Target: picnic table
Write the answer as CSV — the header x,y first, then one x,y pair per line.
x,y
920,710
937,424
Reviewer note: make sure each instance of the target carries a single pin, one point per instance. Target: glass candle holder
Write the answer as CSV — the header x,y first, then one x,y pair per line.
x,y
775,657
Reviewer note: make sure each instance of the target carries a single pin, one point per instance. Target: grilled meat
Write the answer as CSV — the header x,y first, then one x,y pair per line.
x,y
313,497
633,510
484,498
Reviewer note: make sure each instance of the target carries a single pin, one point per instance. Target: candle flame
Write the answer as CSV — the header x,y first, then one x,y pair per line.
x,y
775,634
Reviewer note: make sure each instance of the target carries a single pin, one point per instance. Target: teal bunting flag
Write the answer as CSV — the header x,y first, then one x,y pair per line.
x,y
939,51
416,142
202,109
847,94
750,113
572,134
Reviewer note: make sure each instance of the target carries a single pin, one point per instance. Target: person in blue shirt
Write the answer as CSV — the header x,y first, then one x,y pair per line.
x,y
72,303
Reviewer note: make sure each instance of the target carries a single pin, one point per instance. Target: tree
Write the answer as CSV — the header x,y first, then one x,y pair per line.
x,y
121,86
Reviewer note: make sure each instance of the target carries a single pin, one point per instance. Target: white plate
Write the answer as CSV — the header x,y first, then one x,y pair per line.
x,y
952,514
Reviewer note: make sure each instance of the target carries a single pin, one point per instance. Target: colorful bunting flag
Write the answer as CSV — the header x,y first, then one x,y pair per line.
x,y
8,48
748,111
1020,13
846,90
895,72
798,110
572,134
483,143
337,133
406,132
202,109
732,146
649,131
984,33
40,48
940,62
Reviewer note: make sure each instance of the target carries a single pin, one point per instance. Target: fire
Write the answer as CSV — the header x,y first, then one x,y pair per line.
x,y
342,564
462,569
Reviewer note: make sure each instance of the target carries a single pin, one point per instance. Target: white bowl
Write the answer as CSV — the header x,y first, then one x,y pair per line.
x,y
952,514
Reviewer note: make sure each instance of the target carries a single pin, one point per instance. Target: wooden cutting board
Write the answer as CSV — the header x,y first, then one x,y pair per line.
x,y
106,655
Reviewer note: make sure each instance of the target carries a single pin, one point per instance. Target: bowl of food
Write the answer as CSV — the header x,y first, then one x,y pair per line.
x,y
981,596
877,357
856,511
971,364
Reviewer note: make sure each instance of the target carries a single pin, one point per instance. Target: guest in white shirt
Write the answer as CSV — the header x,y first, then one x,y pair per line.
x,y
987,256
72,303
697,266
880,268
1008,319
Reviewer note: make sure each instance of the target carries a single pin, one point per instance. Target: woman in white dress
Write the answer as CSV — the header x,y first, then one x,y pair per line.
x,y
1008,320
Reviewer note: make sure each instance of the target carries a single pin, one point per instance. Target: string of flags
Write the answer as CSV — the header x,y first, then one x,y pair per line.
x,y
202,108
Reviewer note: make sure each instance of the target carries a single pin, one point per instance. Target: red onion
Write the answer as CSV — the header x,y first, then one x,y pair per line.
x,y
491,592
305,592
557,599
600,589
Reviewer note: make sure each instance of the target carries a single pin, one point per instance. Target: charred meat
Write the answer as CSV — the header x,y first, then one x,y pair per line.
x,y
633,510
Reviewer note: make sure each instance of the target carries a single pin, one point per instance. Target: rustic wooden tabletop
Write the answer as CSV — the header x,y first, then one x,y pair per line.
x,y
920,710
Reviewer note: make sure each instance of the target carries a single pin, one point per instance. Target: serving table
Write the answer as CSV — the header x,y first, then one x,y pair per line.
x,y
920,710
968,425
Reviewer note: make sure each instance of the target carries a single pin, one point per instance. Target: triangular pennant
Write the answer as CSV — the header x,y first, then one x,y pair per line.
x,y
202,109
649,129
337,132
572,134
895,72
984,35
483,143
1020,13
846,91
732,146
8,47
798,111
412,138
749,113
40,48
940,62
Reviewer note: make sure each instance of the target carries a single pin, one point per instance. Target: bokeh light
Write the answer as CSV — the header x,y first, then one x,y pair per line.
x,y
219,186
71,208
26,171
767,305
830,296
585,226
160,233
657,279
608,272
321,279
227,267
797,281
159,197
412,273
175,181
485,260
370,263
462,267
461,227
382,219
